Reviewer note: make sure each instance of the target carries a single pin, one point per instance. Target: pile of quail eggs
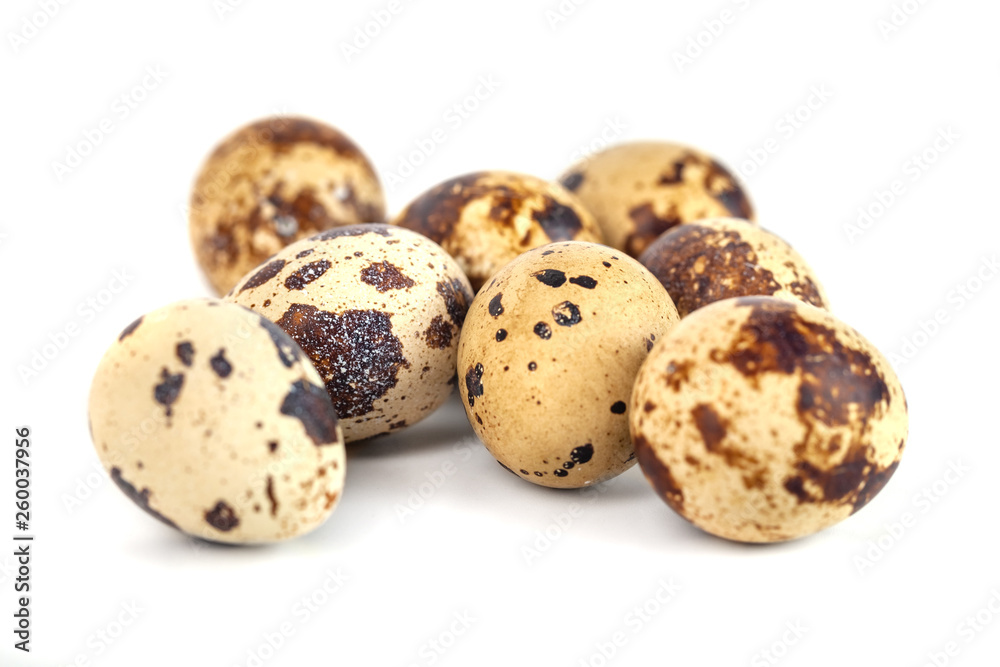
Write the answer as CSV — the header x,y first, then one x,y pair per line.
x,y
631,311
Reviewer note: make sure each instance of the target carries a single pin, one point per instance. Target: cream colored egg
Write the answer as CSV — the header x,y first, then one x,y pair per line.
x,y
761,420
720,258
378,309
274,182
639,190
486,219
212,420
548,356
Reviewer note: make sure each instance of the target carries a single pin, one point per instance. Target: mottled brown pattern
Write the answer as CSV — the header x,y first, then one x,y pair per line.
x,y
356,230
808,291
253,195
505,204
439,334
456,300
638,190
721,183
311,406
385,276
560,222
713,432
307,274
700,265
648,227
474,383
435,213
355,352
572,182
839,386
309,215
678,373
272,499
130,329
168,389
140,498
658,474
222,517
284,132
264,274
485,219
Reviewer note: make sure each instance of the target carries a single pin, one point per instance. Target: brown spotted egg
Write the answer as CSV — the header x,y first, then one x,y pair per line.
x,y
378,309
548,357
721,258
761,420
639,190
272,183
486,219
212,420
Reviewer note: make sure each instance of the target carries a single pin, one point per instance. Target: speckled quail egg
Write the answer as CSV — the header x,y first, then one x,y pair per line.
x,y
378,309
486,219
272,183
548,357
759,419
639,190
211,419
720,258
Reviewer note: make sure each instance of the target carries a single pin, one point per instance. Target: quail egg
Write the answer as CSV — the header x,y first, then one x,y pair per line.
x,y
378,309
710,260
272,183
639,190
761,420
486,219
548,357
211,419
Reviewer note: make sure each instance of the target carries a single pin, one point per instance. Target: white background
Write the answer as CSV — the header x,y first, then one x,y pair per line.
x,y
608,67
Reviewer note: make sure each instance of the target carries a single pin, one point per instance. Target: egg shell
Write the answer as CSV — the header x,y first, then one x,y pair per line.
x,y
761,420
212,420
378,309
271,183
548,357
638,190
721,258
486,219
